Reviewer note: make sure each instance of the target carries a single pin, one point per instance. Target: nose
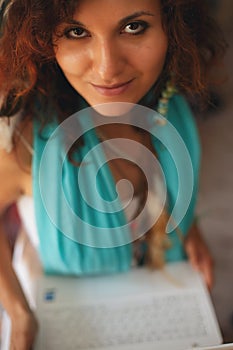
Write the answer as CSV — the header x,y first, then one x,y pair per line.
x,y
108,59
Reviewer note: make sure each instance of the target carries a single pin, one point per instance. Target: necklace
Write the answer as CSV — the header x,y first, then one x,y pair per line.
x,y
166,94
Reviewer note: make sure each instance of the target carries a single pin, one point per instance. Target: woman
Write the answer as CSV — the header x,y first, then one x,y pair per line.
x,y
58,57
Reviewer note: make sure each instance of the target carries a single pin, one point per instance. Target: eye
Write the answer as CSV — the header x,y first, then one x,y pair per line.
x,y
135,27
76,33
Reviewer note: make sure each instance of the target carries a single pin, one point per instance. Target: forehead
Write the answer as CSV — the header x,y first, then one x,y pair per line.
x,y
110,9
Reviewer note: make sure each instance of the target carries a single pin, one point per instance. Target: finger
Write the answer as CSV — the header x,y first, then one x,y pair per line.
x,y
195,263
193,256
201,261
208,273
12,347
19,344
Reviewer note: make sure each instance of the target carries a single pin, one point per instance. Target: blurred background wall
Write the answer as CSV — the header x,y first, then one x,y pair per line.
x,y
215,206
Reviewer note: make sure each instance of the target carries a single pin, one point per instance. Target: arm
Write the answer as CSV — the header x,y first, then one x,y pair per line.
x,y
13,182
24,325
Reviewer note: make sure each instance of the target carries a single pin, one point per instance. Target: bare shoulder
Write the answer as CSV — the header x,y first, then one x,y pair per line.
x,y
15,169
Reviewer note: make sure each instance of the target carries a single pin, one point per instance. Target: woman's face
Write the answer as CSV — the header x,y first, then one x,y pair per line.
x,y
112,51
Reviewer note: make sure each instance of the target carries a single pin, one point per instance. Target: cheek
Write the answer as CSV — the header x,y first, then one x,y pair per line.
x,y
71,62
152,56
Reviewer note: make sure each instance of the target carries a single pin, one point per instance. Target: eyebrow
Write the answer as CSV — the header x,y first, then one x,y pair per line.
x,y
135,15
122,21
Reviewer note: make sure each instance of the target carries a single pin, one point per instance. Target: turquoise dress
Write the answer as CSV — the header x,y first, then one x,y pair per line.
x,y
78,233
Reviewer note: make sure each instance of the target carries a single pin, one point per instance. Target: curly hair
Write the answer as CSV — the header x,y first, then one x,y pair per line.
x,y
28,69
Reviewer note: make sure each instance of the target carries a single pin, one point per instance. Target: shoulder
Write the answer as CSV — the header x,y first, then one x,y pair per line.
x,y
15,169
10,179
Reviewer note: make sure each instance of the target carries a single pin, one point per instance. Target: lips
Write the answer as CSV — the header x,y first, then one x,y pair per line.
x,y
112,90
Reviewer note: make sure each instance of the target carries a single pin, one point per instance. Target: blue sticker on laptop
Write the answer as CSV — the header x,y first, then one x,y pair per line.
x,y
49,295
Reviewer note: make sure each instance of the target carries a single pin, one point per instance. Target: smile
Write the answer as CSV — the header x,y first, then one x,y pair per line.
x,y
112,90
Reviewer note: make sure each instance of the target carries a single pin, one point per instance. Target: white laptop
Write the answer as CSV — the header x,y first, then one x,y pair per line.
x,y
218,347
136,310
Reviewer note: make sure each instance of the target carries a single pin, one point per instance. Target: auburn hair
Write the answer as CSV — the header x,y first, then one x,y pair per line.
x,y
30,76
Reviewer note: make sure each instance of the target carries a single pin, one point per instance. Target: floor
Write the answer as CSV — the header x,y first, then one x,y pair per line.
x,y
215,206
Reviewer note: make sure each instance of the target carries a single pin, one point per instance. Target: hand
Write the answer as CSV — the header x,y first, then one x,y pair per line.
x,y
199,255
23,331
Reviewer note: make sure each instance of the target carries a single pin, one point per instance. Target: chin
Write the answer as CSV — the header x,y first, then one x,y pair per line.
x,y
113,109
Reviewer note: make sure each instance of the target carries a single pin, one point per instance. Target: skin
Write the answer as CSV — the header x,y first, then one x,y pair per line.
x,y
106,58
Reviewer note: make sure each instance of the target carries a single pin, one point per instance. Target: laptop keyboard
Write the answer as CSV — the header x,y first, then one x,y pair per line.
x,y
141,321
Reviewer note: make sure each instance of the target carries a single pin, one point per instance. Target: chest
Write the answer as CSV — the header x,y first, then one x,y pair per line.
x,y
129,162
